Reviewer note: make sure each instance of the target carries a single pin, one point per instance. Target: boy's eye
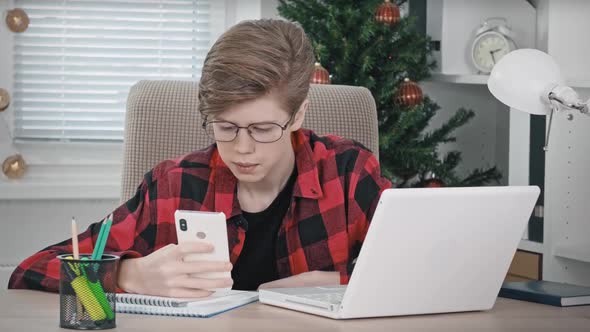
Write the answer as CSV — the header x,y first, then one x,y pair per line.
x,y
262,128
226,127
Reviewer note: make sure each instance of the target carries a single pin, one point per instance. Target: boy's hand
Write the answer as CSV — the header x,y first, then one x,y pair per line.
x,y
165,273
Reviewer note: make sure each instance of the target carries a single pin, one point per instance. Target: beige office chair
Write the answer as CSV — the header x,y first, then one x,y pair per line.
x,y
163,122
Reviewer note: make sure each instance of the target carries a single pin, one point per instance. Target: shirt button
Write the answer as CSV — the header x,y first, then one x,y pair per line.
x,y
236,241
313,191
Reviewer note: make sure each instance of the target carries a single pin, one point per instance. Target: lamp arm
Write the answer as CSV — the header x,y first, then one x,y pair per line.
x,y
548,132
578,105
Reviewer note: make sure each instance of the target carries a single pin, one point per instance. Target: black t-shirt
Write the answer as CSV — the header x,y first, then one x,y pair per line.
x,y
257,262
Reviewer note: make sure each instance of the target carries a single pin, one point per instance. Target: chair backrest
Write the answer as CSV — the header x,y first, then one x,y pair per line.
x,y
163,122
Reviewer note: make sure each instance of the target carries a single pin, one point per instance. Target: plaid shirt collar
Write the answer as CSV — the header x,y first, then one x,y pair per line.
x,y
307,184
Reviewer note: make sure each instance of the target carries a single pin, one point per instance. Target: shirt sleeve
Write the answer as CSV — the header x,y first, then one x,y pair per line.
x,y
41,270
365,187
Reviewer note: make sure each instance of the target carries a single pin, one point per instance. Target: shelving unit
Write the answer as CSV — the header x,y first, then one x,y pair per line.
x,y
483,79
460,78
579,253
532,246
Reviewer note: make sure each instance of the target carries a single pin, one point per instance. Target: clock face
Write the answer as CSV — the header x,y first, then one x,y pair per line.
x,y
488,49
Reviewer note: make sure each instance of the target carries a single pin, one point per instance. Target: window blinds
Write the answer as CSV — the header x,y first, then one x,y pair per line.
x,y
75,63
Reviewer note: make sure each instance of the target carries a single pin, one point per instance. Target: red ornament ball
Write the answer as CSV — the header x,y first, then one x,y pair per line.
x,y
387,13
409,94
434,183
320,75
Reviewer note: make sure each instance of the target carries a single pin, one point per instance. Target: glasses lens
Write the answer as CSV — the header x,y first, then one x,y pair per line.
x,y
221,131
265,132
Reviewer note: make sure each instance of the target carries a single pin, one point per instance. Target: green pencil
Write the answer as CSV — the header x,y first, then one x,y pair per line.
x,y
98,241
105,236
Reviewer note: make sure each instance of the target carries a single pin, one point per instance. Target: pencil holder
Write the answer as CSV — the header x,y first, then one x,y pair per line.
x,y
87,292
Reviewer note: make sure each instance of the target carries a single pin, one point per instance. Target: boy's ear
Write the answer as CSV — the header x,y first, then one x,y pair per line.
x,y
300,116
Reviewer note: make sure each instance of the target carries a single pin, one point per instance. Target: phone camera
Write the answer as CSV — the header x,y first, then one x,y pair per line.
x,y
183,225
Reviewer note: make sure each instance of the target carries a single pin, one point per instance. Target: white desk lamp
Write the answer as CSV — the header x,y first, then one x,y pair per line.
x,y
530,81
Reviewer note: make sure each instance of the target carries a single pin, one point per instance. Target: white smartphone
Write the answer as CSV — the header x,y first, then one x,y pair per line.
x,y
208,227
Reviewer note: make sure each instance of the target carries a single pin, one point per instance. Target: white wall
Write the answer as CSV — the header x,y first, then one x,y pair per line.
x,y
28,226
568,39
269,9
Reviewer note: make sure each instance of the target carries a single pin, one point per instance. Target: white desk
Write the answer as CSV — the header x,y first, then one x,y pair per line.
x,y
22,310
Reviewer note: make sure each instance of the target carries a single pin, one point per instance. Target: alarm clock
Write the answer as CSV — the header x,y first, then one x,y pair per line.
x,y
493,40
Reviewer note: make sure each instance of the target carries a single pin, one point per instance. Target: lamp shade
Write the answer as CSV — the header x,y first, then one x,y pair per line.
x,y
523,78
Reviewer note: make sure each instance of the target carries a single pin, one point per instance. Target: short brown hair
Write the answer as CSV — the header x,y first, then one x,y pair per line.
x,y
255,58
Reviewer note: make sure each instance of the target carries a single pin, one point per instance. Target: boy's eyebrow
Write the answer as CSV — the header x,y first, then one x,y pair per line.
x,y
220,119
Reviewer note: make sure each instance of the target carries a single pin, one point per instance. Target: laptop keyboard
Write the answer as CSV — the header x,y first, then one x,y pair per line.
x,y
332,298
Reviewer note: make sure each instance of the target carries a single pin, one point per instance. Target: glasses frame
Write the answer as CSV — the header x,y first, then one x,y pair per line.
x,y
283,128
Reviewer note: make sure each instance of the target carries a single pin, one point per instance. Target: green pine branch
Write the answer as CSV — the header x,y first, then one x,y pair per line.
x,y
442,134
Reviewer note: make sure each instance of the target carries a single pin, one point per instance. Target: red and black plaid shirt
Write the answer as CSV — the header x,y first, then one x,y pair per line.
x,y
337,189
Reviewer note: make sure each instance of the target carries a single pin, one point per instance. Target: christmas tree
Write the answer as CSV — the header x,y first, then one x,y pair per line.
x,y
367,43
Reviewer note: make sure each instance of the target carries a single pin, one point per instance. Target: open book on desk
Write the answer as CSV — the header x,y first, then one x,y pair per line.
x,y
217,303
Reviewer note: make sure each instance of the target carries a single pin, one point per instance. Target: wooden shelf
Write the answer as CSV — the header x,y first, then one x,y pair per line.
x,y
460,79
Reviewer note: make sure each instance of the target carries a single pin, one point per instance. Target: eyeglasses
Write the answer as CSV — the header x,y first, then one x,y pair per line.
x,y
261,132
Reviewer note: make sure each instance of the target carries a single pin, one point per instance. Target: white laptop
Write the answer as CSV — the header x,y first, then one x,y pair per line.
x,y
429,250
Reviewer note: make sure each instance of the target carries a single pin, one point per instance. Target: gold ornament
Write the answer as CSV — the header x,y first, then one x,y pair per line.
x,y
387,13
409,94
4,99
17,20
320,75
14,167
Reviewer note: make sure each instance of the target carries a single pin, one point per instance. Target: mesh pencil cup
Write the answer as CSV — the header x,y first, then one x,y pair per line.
x,y
87,292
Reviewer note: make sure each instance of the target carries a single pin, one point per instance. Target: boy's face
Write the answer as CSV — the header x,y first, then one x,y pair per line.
x,y
251,161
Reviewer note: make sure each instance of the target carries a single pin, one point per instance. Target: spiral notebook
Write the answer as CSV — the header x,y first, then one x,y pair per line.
x,y
215,304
